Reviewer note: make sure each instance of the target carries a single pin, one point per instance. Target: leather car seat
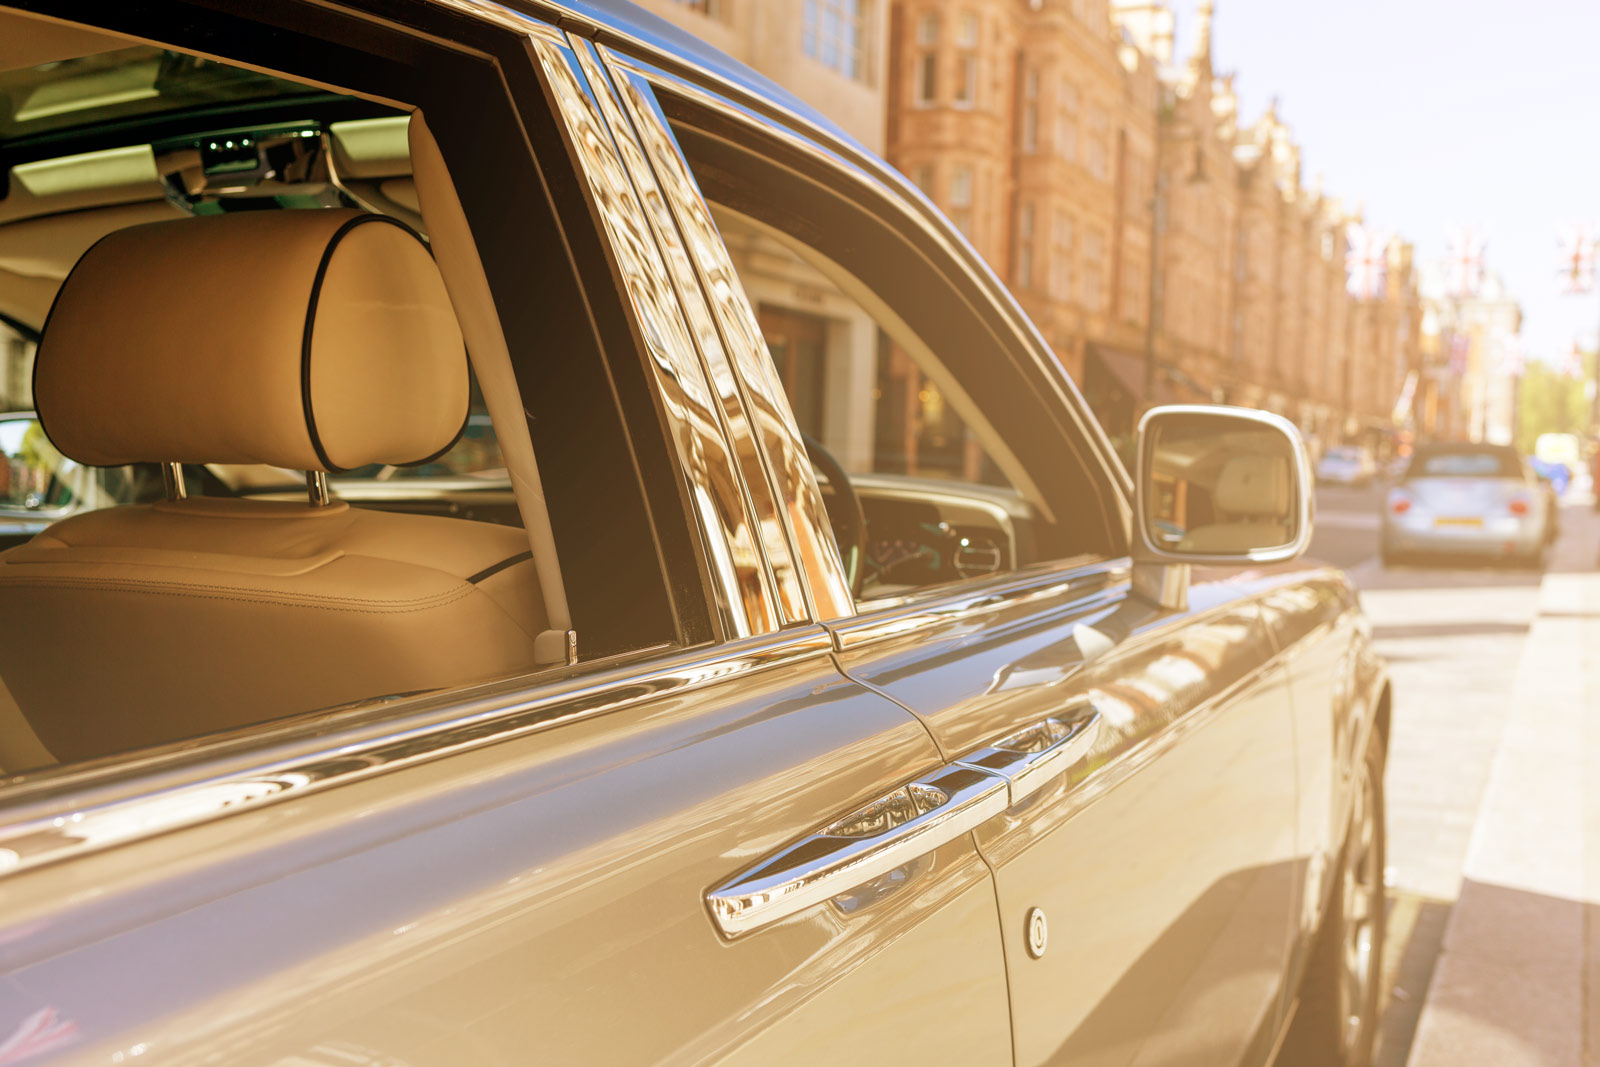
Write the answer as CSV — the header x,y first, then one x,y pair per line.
x,y
1252,493
312,340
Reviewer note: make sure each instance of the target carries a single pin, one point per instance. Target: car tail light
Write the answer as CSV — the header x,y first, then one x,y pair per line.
x,y
1400,505
1518,505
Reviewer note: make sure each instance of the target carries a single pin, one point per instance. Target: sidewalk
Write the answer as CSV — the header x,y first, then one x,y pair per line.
x,y
1518,980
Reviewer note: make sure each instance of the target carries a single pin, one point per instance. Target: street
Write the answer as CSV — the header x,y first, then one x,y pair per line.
x,y
1453,639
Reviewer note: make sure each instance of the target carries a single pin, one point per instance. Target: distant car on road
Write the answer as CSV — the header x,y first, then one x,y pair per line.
x,y
1469,500
1347,465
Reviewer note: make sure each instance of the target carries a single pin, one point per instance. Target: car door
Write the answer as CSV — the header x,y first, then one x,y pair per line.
x,y
1156,835
518,872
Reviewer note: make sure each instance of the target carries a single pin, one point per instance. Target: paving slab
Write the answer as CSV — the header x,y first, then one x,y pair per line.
x,y
1515,982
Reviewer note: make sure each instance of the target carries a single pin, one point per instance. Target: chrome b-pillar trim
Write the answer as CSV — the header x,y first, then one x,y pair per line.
x,y
741,583
665,189
782,449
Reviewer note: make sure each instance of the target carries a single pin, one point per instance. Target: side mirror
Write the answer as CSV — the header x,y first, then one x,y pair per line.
x,y
1218,485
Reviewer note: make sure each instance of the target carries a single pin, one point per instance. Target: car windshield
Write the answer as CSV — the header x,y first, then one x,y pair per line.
x,y
1466,465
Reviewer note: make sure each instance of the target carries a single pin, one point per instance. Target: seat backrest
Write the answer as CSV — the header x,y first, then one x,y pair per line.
x,y
317,340
1252,497
1253,485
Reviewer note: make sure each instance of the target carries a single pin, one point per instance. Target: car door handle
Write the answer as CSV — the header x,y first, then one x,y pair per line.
x,y
873,840
904,824
1035,756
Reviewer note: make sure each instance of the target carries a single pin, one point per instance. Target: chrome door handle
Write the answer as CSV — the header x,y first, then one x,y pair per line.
x,y
904,824
889,832
1035,756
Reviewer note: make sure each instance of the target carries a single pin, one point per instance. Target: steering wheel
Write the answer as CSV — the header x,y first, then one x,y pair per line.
x,y
844,513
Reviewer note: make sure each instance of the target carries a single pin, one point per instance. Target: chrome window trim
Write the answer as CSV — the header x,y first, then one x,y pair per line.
x,y
63,812
740,580
908,618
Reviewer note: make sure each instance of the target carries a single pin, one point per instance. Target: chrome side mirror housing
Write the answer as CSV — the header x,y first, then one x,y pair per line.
x,y
1219,486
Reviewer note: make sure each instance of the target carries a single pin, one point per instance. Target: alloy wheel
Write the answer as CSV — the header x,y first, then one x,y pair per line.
x,y
1363,895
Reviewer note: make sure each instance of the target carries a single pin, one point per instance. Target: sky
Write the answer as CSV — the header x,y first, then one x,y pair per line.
x,y
1433,113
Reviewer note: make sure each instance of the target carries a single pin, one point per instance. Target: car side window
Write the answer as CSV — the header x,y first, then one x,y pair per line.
x,y
871,395
313,511
924,411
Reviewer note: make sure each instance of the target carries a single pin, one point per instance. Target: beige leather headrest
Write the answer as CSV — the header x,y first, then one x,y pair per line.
x,y
1253,485
313,340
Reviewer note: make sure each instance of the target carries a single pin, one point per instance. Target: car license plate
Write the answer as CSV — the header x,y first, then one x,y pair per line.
x,y
1444,521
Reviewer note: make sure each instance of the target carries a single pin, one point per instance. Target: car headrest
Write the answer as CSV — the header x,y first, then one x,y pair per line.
x,y
313,340
1253,485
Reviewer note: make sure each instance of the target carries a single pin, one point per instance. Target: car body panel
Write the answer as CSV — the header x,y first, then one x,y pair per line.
x,y
1170,935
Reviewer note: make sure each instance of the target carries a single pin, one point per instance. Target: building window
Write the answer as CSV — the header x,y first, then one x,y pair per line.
x,y
1061,238
961,199
966,79
1094,270
1131,299
705,7
1099,152
1067,122
922,177
967,33
1030,112
832,35
928,29
927,78
1022,269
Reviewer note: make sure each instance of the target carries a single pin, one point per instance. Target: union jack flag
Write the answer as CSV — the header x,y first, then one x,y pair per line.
x,y
1577,259
1465,265
1572,365
1366,261
43,1031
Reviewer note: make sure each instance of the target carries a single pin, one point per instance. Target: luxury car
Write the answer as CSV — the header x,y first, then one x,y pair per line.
x,y
464,607
1459,500
1347,465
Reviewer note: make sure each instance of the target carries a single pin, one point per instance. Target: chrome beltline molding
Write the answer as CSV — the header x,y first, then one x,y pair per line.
x,y
1012,591
55,814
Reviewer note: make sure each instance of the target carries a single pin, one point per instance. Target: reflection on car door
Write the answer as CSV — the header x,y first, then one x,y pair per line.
x,y
1163,860
532,893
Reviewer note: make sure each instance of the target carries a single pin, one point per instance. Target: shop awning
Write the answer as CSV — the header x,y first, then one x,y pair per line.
x,y
1172,385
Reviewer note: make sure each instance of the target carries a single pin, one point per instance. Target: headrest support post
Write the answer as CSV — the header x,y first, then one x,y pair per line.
x,y
172,479
317,489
